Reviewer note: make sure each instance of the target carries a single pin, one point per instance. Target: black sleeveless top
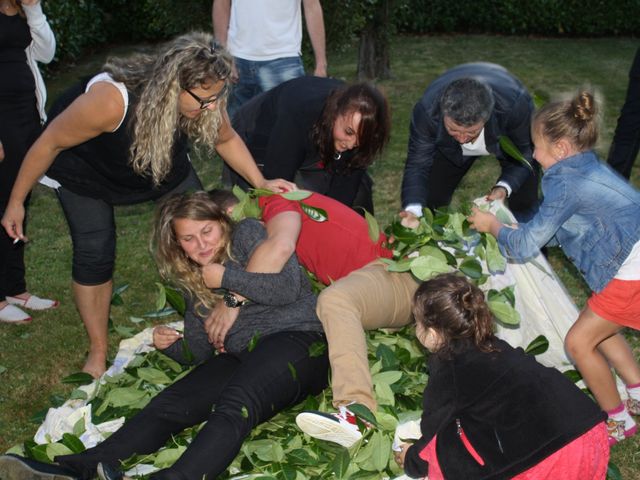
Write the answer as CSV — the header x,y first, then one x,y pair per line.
x,y
100,167
16,78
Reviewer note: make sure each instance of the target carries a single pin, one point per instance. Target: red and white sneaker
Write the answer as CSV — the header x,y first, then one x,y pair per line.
x,y
340,427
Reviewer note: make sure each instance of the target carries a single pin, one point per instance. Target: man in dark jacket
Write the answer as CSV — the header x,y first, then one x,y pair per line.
x,y
461,117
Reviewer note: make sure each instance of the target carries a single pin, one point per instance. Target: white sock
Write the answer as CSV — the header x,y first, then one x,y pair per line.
x,y
634,391
620,414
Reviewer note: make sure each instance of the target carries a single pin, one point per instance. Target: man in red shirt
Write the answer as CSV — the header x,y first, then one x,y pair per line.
x,y
361,295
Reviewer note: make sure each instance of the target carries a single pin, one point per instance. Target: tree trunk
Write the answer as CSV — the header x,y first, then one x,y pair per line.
x,y
373,53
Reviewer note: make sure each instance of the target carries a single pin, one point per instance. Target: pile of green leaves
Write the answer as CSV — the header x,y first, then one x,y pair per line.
x,y
277,449
443,242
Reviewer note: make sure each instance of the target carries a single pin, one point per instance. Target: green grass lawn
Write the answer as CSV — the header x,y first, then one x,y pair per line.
x,y
33,358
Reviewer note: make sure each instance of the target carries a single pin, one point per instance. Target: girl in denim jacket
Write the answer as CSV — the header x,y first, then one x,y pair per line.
x,y
593,214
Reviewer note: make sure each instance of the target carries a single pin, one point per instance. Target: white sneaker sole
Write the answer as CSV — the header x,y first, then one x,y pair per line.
x,y
11,468
327,428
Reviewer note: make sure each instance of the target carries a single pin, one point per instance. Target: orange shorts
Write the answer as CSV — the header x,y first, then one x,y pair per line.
x,y
618,302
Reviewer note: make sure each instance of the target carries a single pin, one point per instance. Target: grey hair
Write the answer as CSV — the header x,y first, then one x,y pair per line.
x,y
467,101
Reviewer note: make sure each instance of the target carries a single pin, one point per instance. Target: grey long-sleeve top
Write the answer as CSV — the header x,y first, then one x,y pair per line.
x,y
278,302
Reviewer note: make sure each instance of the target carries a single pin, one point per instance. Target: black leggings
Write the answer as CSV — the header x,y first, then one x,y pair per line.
x,y
93,232
246,389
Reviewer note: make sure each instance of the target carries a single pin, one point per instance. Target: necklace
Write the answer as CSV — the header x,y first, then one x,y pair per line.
x,y
337,156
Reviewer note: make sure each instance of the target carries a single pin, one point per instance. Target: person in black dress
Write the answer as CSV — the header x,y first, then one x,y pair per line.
x,y
25,37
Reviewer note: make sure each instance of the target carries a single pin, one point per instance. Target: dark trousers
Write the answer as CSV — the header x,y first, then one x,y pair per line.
x,y
93,232
244,390
626,139
445,177
20,124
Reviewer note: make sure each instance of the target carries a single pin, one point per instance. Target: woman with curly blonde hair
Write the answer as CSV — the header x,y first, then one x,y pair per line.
x,y
121,137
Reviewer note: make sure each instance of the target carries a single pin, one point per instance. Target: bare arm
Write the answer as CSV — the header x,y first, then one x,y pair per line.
x,y
221,13
98,111
315,26
236,154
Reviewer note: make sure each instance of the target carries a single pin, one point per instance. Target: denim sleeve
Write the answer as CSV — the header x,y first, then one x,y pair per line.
x,y
523,243
518,130
420,152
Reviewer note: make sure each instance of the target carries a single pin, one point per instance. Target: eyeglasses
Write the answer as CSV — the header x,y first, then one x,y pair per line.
x,y
205,102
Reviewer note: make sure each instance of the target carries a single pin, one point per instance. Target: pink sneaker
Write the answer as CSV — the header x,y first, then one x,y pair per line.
x,y
340,427
617,431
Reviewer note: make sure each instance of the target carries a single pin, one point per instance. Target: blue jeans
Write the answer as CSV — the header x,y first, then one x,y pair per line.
x,y
247,389
255,77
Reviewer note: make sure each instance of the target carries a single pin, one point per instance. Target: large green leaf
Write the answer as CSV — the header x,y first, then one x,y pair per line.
x,y
538,346
424,268
504,312
341,463
373,227
168,456
363,412
296,195
116,296
122,397
496,263
161,298
73,443
55,449
314,213
471,268
153,375
573,375
510,149
266,450
175,299
389,377
78,378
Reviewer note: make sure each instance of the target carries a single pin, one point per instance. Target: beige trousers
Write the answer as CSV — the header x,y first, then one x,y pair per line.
x,y
366,299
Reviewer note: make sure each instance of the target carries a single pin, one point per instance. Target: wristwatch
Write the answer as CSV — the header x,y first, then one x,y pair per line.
x,y
231,301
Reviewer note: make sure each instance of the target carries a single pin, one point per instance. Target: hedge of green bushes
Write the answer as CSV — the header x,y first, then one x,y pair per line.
x,y
81,25
84,24
540,17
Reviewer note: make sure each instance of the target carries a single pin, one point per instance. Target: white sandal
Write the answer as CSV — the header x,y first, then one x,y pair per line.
x,y
33,302
12,314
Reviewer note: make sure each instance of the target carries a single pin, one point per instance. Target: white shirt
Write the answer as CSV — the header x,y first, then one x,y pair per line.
x,y
262,30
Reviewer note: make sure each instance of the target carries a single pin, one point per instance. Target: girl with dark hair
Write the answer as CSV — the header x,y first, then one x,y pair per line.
x,y
269,362
593,214
121,138
320,133
491,411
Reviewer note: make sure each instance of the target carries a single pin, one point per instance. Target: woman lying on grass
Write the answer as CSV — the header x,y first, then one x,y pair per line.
x,y
266,367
